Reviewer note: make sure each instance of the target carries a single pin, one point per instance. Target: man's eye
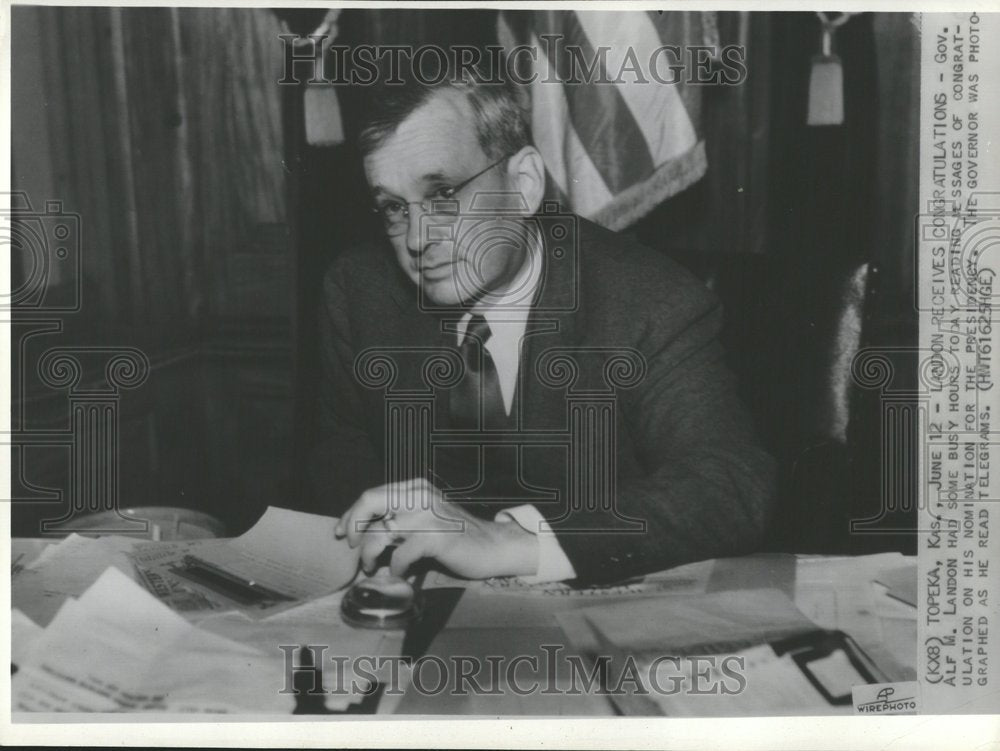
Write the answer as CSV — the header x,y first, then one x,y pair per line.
x,y
445,192
391,209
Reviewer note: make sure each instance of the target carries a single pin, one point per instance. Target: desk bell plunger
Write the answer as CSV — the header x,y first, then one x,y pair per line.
x,y
382,601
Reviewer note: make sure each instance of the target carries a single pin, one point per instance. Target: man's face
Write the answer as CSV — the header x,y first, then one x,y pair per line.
x,y
433,150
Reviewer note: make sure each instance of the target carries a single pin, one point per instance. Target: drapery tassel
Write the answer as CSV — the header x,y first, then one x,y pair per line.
x,y
826,79
321,108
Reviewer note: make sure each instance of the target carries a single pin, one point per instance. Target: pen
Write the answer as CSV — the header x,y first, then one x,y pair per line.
x,y
226,582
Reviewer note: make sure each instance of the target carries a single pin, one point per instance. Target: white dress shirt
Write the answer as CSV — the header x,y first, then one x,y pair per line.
x,y
506,311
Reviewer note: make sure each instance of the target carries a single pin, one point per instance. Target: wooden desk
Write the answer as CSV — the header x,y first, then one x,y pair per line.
x,y
485,624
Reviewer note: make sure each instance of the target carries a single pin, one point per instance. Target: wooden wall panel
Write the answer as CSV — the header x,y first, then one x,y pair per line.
x,y
162,129
164,133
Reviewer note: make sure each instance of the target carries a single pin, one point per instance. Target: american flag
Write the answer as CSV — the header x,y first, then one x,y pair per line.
x,y
613,151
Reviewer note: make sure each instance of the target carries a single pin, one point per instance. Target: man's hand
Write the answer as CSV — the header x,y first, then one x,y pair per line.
x,y
415,516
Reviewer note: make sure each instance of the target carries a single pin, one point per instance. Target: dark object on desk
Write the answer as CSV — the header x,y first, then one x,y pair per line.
x,y
438,606
805,649
227,584
307,683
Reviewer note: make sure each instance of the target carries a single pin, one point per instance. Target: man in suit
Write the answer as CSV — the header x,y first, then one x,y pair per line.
x,y
577,421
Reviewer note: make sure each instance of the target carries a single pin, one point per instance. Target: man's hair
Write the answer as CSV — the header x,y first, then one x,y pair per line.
x,y
499,120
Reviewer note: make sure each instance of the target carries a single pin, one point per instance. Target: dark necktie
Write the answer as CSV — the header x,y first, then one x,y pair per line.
x,y
478,393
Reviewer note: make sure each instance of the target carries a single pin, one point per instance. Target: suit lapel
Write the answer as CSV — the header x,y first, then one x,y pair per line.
x,y
555,322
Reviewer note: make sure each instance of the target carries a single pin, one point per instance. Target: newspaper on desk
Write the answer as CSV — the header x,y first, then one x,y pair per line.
x,y
688,578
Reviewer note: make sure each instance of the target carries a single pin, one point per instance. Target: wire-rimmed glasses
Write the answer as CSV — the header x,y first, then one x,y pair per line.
x,y
440,203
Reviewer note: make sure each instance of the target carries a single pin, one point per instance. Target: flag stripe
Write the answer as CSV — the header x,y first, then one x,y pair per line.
x,y
656,107
601,118
565,156
613,151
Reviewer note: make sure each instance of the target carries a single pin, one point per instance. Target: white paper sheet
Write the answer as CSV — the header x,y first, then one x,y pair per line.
x,y
900,584
293,552
117,649
842,594
686,622
774,685
23,634
67,569
732,625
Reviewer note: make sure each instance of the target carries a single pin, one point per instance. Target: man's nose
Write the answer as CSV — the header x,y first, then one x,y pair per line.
x,y
415,241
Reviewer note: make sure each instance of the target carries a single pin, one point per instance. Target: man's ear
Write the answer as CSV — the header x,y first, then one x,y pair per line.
x,y
526,173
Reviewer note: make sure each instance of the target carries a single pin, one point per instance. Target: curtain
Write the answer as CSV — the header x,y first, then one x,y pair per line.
x,y
161,127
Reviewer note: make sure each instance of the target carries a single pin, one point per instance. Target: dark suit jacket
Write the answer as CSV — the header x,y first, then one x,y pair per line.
x,y
671,471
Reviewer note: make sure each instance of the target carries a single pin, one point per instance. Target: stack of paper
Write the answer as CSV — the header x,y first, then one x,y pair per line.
x,y
123,647
24,632
116,649
900,584
66,569
695,624
704,655
843,594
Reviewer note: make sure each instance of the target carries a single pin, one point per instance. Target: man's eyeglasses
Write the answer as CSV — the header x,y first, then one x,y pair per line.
x,y
441,202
